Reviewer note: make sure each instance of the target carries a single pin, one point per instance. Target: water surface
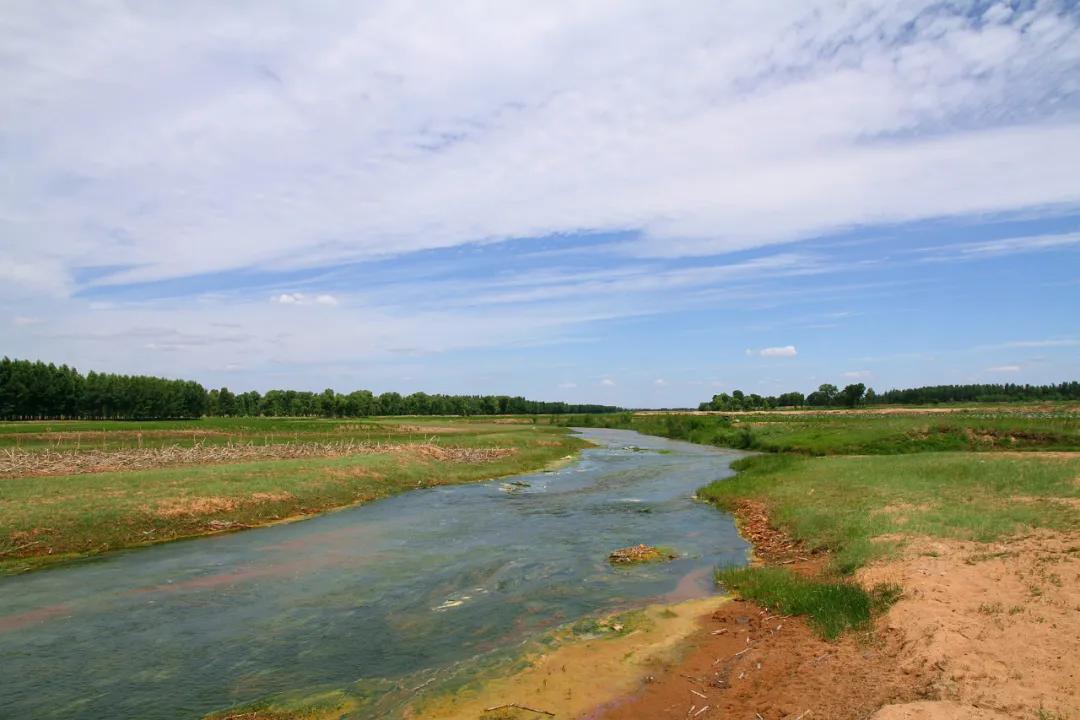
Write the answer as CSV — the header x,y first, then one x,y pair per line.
x,y
384,594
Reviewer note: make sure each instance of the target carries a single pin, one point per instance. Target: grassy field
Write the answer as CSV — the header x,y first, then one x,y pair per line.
x,y
858,483
49,517
843,432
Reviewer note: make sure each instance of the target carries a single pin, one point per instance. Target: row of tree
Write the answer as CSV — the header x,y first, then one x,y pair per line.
x,y
829,395
35,390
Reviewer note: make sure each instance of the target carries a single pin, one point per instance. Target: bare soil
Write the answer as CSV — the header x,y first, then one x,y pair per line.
x,y
994,627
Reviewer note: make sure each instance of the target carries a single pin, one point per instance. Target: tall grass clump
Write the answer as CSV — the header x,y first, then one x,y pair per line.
x,y
831,607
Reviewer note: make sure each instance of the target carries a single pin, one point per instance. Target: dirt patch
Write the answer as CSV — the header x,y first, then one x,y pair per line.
x,y
189,507
21,463
773,546
992,626
1034,499
746,663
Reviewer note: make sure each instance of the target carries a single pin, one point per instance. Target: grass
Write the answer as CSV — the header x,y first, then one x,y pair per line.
x,y
846,504
865,433
45,520
831,607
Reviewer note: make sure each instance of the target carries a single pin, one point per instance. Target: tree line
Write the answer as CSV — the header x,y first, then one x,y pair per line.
x,y
38,391
854,395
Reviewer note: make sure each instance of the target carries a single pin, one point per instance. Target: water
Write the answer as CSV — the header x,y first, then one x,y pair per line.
x,y
401,589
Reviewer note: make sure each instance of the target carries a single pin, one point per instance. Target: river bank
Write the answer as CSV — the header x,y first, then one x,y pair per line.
x,y
983,631
74,491
982,548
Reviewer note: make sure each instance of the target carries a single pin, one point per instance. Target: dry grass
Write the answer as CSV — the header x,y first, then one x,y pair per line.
x,y
21,463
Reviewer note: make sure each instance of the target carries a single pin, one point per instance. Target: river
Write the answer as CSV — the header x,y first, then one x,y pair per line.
x,y
410,590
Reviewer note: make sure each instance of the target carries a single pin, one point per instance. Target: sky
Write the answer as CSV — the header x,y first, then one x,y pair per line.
x,y
632,203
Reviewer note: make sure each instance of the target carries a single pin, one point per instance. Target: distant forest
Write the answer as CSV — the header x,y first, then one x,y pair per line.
x,y
39,391
857,394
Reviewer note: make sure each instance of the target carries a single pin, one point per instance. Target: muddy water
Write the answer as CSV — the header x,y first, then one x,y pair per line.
x,y
374,598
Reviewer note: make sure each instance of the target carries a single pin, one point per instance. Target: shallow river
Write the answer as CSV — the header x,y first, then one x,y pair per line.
x,y
382,598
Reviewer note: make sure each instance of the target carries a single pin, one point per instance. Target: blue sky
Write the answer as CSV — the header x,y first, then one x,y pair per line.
x,y
614,202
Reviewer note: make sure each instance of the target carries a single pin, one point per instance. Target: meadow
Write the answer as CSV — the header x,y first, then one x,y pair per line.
x,y
79,488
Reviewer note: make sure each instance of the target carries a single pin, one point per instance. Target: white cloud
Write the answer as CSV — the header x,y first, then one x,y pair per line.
x,y
661,382
784,351
567,385
607,382
857,374
998,248
357,131
1004,369
297,298
1047,343
24,321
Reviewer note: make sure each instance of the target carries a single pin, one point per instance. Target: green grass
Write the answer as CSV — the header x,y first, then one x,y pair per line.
x,y
864,433
845,504
832,608
44,520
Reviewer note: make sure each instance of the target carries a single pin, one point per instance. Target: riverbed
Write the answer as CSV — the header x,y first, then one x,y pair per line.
x,y
418,590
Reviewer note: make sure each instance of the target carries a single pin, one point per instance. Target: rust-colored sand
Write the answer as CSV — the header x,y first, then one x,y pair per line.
x,y
983,632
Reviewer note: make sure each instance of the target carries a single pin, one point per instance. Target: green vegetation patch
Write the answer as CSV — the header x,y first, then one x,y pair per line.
x,y
843,503
831,607
864,433
331,705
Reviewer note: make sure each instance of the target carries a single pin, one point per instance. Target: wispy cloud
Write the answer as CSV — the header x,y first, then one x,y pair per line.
x,y
295,298
998,248
785,351
1022,344
329,141
1004,369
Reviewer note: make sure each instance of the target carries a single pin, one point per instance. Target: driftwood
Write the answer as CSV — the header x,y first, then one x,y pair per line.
x,y
519,707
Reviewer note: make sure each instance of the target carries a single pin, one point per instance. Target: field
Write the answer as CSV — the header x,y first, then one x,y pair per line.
x,y
865,432
80,488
